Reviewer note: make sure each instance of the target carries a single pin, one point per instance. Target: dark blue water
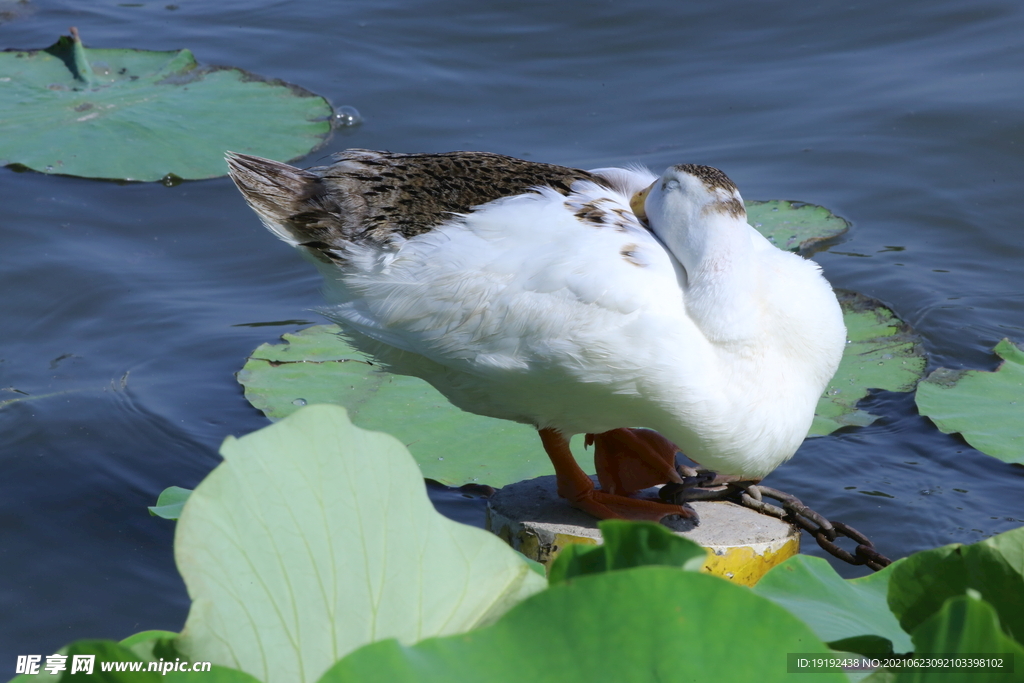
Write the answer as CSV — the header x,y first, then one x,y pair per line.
x,y
126,309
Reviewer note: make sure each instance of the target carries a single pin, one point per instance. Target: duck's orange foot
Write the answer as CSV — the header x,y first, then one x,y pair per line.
x,y
576,487
630,460
611,506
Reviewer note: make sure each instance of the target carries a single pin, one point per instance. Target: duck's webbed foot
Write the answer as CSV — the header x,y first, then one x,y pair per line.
x,y
575,486
630,460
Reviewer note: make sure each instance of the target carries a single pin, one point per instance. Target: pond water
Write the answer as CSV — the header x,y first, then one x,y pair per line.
x,y
127,309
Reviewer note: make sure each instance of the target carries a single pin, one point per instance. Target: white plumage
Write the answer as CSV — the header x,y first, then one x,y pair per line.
x,y
561,309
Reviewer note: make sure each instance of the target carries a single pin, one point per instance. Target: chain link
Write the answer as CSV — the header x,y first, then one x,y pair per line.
x,y
705,486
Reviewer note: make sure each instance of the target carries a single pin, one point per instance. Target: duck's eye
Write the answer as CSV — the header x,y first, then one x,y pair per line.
x,y
670,185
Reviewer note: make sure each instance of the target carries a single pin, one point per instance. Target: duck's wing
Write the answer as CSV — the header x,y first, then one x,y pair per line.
x,y
369,196
540,278
470,257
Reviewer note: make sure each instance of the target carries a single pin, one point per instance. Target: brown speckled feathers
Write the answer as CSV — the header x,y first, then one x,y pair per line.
x,y
710,176
713,179
373,196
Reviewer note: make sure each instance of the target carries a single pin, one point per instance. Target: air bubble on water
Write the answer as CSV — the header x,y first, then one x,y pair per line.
x,y
346,116
299,402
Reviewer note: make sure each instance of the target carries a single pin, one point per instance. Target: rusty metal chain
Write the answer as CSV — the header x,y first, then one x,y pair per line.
x,y
705,486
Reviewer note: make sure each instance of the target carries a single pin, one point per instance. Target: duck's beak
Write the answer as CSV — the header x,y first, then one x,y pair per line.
x,y
637,203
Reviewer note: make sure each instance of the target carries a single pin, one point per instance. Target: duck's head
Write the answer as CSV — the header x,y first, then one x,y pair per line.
x,y
697,212
689,193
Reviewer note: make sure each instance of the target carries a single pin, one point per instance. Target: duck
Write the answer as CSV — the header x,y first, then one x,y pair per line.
x,y
642,311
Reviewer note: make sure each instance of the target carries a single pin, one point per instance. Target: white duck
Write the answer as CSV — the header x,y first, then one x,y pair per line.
x,y
534,293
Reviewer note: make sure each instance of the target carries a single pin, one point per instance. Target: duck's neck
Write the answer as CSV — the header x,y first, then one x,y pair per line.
x,y
721,277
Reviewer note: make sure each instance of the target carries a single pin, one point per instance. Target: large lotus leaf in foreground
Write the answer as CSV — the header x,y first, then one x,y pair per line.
x,y
966,628
626,544
994,568
142,115
851,615
314,542
986,408
644,624
313,538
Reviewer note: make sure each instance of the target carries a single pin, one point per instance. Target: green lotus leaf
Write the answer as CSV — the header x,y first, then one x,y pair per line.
x,y
142,115
451,446
986,408
882,352
840,611
152,645
994,568
637,625
963,627
146,636
314,538
796,226
625,545
170,502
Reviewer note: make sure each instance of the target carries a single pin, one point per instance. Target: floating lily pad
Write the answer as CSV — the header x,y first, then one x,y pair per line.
x,y
142,115
796,226
882,352
986,408
452,446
